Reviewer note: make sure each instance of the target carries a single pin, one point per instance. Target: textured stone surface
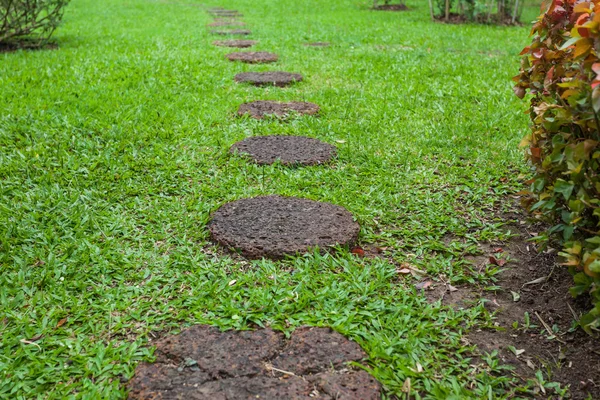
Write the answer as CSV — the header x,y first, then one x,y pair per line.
x,y
276,226
221,12
311,350
260,108
271,78
232,32
288,150
226,22
235,43
204,363
253,57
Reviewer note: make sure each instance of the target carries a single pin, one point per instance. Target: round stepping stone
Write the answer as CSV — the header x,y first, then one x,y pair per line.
x,y
390,7
274,78
289,150
253,57
232,32
276,226
235,43
204,363
258,109
227,23
223,12
317,44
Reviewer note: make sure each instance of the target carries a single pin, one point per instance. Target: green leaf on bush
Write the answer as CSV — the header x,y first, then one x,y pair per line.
x,y
593,240
563,187
594,266
596,99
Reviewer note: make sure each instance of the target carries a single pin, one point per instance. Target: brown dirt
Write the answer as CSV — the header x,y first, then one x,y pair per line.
x,y
26,45
390,7
572,356
289,150
276,226
261,108
232,32
204,363
235,43
271,78
253,57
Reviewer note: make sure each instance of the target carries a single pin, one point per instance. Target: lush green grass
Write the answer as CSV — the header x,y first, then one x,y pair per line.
x,y
114,153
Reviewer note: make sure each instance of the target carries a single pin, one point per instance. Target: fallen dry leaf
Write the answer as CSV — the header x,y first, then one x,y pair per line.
x,y
423,285
61,322
358,251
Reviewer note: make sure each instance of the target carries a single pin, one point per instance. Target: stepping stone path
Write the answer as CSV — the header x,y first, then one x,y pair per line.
x,y
204,363
288,150
232,32
276,226
260,108
271,78
235,43
253,57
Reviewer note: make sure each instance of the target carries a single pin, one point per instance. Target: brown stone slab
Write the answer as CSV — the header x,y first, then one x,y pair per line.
x,y
276,226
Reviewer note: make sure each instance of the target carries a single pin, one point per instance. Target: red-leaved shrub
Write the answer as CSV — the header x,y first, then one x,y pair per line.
x,y
560,69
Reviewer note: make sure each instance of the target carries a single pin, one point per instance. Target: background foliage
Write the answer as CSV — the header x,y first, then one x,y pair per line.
x,y
561,72
34,20
485,11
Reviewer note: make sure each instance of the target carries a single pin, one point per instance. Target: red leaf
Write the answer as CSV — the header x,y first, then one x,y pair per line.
x,y
357,251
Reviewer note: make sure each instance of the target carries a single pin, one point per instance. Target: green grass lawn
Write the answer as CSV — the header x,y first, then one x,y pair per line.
x,y
114,152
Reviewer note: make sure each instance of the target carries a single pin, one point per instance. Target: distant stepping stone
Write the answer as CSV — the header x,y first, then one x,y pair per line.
x,y
260,108
253,57
235,43
390,7
317,44
231,22
204,363
232,32
289,150
223,12
275,226
271,78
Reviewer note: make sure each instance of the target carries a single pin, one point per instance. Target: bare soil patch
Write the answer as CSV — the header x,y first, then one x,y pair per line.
x,y
276,226
204,363
289,150
26,45
271,78
253,57
261,108
235,43
533,283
